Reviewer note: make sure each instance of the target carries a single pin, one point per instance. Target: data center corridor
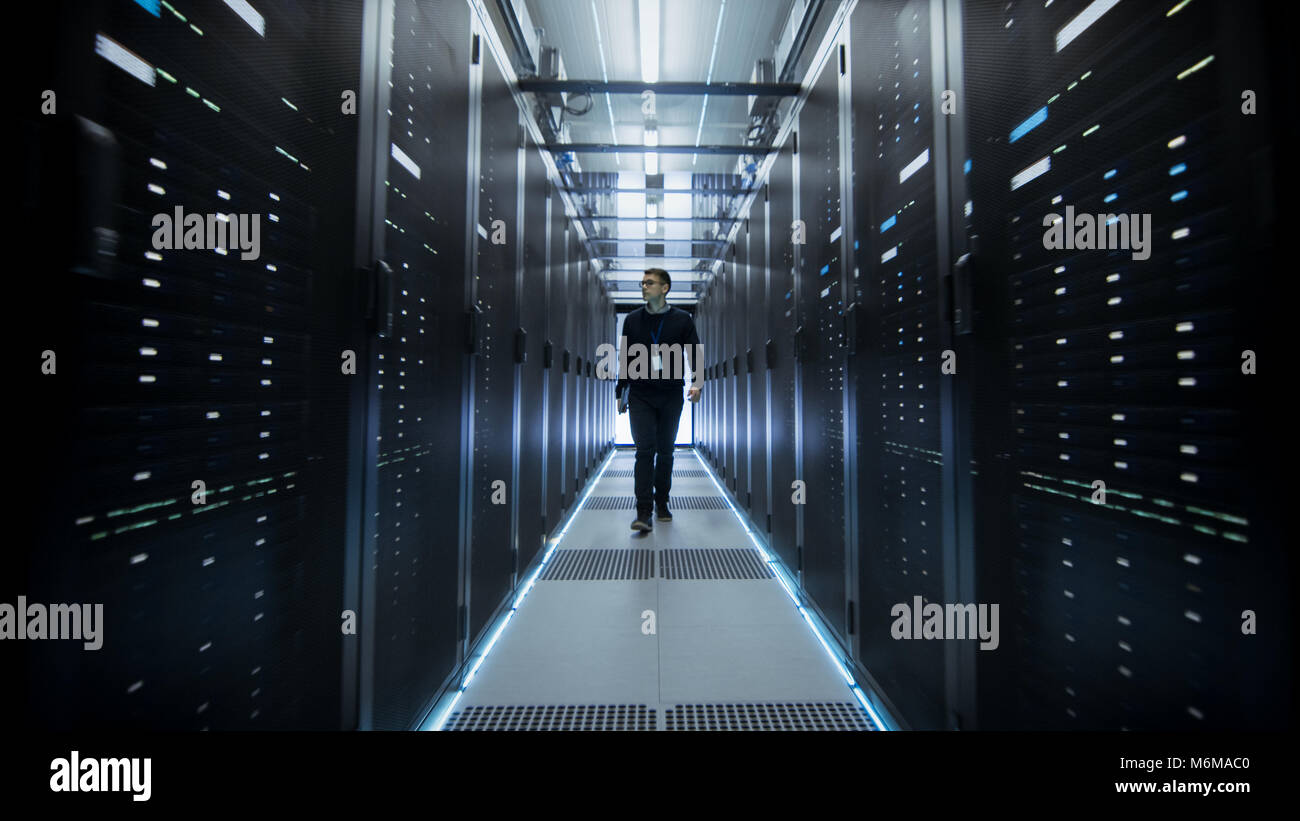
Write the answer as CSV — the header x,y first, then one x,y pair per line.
x,y
991,303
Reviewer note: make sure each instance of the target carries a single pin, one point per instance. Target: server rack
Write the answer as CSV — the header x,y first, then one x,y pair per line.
x,y
1126,612
554,360
413,600
742,360
530,489
818,346
175,367
756,364
783,431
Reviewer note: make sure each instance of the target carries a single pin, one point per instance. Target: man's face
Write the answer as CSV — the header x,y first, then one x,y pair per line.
x,y
651,287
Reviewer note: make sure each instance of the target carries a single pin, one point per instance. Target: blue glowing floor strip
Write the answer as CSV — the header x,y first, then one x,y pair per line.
x,y
778,570
487,648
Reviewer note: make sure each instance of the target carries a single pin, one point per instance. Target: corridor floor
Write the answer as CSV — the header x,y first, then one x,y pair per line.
x,y
682,628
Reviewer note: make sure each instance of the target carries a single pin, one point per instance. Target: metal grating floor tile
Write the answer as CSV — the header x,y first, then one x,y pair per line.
x,y
805,717
675,503
593,565
631,474
713,563
566,717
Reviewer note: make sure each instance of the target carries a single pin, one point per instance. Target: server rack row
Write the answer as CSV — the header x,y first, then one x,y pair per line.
x,y
937,408
302,481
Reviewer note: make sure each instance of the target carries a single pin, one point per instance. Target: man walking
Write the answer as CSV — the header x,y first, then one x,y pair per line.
x,y
656,339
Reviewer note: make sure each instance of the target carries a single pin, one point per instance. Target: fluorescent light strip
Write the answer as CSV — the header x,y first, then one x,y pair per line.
x,y
604,75
1036,170
1080,23
438,724
915,165
717,33
125,59
648,14
778,571
249,15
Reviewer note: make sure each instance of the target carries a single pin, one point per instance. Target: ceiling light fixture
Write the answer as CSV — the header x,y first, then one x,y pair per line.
x,y
649,10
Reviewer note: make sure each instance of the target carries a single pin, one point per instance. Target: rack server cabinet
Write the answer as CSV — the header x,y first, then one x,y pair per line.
x,y
712,354
819,346
529,489
597,337
554,361
717,430
424,94
591,292
718,298
730,324
492,317
783,434
719,438
607,384
735,320
756,327
1126,367
589,373
704,316
898,447
189,430
701,412
711,357
573,389
581,418
744,484
735,324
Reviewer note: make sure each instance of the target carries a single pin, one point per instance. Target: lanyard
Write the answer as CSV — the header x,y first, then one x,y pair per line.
x,y
654,337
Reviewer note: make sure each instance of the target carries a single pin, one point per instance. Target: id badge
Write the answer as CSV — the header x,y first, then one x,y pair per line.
x,y
655,363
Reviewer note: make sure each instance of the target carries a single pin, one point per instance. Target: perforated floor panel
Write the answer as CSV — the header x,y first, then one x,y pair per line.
x,y
713,563
807,717
675,503
622,473
591,565
566,717
602,564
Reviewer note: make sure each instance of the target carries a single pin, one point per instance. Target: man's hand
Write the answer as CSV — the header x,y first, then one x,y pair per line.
x,y
693,394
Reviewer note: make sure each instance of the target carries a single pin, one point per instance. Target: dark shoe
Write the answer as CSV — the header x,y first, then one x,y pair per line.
x,y
663,514
642,521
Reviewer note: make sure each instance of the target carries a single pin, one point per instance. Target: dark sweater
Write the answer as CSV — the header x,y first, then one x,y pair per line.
x,y
643,327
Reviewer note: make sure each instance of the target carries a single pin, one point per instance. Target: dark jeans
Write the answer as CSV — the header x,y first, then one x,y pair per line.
x,y
654,418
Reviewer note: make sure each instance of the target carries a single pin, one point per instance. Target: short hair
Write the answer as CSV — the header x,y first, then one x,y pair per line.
x,y
662,274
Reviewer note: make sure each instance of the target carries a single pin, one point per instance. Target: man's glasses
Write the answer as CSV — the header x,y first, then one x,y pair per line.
x,y
648,282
